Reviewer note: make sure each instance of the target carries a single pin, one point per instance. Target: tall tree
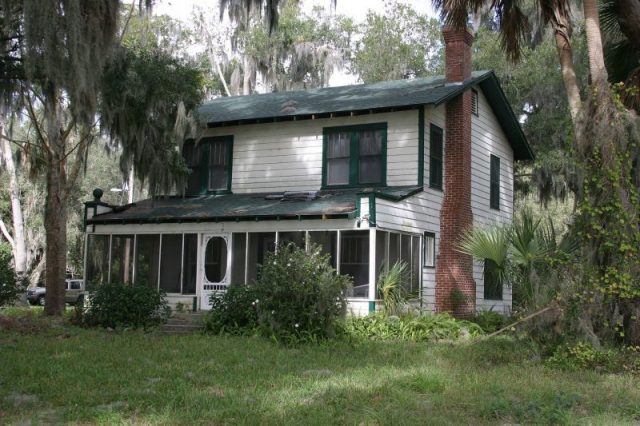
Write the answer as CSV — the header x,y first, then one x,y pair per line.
x,y
399,43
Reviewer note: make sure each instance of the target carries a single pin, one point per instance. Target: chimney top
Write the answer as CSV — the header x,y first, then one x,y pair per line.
x,y
457,49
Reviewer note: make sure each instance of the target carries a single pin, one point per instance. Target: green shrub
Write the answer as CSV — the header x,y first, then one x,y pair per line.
x,y
299,295
581,355
416,328
394,297
233,312
489,321
10,288
126,305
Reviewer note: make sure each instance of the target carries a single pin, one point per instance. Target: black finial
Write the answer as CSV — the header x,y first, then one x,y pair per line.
x,y
97,194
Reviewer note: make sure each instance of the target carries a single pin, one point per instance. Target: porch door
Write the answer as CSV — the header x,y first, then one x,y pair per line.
x,y
215,267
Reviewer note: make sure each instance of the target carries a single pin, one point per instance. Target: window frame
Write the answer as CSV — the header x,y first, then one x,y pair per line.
x,y
204,144
354,159
425,238
494,182
433,182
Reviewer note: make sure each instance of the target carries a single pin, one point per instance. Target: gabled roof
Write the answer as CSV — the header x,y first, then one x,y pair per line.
x,y
364,98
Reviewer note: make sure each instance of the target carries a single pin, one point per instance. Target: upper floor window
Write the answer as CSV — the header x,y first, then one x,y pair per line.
x,y
210,162
436,155
494,183
355,155
492,281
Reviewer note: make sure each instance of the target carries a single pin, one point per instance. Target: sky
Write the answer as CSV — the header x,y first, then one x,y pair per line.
x,y
356,9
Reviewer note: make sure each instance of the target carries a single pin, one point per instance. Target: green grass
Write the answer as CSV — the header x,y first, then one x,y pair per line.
x,y
62,374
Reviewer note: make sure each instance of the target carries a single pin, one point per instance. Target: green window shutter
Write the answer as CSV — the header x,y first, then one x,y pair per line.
x,y
494,190
436,151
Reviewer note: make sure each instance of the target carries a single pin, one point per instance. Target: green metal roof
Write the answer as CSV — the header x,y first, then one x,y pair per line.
x,y
375,97
232,207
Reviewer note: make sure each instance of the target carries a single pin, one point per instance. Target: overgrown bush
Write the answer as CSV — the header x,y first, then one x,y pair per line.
x,y
10,288
299,295
489,321
126,305
233,312
417,328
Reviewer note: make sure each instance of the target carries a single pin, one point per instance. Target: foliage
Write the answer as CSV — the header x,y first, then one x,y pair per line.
x,y
489,321
148,104
299,296
10,288
579,355
401,43
527,255
125,305
394,296
233,312
414,328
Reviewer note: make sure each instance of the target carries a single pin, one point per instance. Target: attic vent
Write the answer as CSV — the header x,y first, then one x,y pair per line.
x,y
474,102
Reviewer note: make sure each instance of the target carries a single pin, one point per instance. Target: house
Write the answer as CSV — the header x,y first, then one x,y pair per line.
x,y
372,173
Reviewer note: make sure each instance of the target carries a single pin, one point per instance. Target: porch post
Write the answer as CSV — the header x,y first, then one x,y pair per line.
x,y
372,270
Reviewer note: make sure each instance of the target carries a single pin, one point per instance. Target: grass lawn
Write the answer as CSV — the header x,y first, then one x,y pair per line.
x,y
63,374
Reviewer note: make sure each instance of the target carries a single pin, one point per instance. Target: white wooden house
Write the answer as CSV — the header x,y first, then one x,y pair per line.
x,y
373,173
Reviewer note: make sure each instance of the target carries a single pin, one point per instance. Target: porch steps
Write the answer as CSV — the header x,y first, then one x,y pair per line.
x,y
184,323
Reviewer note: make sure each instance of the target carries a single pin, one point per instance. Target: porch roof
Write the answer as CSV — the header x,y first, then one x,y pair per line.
x,y
236,207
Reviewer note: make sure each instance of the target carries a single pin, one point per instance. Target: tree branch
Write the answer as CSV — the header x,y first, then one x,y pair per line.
x,y
6,234
36,124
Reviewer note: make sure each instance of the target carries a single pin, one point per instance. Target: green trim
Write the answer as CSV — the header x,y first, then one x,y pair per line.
x,y
354,154
372,307
391,197
433,132
372,209
421,146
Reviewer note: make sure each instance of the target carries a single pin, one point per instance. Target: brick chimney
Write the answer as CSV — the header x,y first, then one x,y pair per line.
x,y
455,287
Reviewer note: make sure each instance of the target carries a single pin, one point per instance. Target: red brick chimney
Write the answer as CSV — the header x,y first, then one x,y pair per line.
x,y
455,287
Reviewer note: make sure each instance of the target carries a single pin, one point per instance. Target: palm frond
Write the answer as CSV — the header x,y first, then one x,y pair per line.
x,y
490,242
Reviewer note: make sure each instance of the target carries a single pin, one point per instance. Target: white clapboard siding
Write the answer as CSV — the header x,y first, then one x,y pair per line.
x,y
489,139
288,155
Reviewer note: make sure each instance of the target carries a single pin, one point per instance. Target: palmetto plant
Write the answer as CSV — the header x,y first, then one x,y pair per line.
x,y
525,254
394,295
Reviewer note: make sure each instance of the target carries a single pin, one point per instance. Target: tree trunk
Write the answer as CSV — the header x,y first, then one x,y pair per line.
x,y
246,76
562,33
18,246
594,44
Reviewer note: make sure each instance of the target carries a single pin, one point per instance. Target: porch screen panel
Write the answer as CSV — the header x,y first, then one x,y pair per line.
x,y
170,262
147,258
415,264
381,253
370,160
296,238
259,244
405,257
218,167
238,257
338,158
328,242
97,259
190,264
122,259
354,261
394,249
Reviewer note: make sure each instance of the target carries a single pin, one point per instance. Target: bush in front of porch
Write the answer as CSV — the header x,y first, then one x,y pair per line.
x,y
297,297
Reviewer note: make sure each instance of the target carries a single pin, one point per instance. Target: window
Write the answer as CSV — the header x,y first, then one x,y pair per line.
x,y
170,262
189,263
259,244
429,241
494,196
121,259
391,248
492,281
474,102
239,250
435,157
355,155
147,260
97,269
210,162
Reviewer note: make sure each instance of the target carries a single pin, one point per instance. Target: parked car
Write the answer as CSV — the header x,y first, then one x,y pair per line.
x,y
74,293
